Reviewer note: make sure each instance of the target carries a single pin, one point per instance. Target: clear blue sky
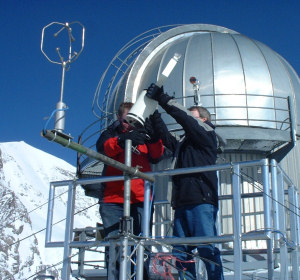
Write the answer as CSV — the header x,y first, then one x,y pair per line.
x,y
30,85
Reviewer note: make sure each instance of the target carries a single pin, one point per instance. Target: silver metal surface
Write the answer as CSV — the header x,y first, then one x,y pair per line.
x,y
237,221
267,215
48,233
126,212
127,181
243,82
71,57
66,269
293,196
266,233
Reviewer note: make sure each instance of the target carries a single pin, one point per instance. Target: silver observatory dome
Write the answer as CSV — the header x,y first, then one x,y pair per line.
x,y
251,91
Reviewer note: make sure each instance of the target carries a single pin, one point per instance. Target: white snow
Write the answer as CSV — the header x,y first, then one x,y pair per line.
x,y
27,173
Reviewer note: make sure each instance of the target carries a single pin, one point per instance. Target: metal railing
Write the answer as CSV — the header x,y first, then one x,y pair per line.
x,y
279,224
276,117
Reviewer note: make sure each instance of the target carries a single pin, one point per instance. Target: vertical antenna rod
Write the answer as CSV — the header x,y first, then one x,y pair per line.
x,y
72,56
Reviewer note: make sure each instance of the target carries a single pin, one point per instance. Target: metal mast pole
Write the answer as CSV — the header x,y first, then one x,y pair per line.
x,y
72,56
126,222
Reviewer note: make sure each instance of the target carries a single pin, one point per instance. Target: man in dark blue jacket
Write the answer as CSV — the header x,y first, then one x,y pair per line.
x,y
194,196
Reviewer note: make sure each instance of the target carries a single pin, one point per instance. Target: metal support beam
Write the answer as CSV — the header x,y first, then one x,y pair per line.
x,y
126,215
237,227
146,230
267,216
66,270
113,256
279,217
50,214
294,236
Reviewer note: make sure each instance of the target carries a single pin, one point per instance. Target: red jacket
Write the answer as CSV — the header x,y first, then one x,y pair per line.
x,y
108,145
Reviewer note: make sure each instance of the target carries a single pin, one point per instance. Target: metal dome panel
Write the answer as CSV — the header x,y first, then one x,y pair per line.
x,y
242,81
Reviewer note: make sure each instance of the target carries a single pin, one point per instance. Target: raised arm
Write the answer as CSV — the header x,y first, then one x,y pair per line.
x,y
199,132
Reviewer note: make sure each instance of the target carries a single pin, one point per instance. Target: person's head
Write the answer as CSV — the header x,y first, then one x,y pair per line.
x,y
200,113
122,112
124,109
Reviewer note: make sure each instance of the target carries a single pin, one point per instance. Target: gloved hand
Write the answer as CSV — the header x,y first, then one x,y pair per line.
x,y
157,93
135,136
153,137
156,119
154,92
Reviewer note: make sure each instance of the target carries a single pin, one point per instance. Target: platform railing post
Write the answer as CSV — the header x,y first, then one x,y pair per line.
x,y
81,254
113,256
146,230
50,214
237,227
66,270
267,216
294,235
126,216
297,215
273,169
279,216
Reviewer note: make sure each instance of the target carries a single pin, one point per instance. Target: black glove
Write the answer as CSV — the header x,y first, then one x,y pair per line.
x,y
154,92
157,93
153,137
135,136
156,119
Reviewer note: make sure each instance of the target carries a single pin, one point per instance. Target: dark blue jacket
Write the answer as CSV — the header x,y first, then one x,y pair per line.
x,y
198,148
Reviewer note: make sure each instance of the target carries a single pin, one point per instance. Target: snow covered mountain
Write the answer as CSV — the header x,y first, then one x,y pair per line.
x,y
25,174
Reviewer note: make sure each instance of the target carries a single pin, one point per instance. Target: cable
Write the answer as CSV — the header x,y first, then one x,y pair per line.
x,y
290,243
37,273
52,225
260,189
19,217
151,201
135,238
51,116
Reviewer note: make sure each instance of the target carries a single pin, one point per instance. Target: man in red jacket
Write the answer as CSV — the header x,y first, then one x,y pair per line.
x,y
147,148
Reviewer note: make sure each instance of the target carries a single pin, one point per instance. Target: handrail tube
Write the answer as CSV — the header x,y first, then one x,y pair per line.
x,y
285,176
55,244
273,167
237,223
66,269
294,235
277,191
177,240
267,215
126,214
297,214
266,235
49,215
169,172
157,173
145,231
283,223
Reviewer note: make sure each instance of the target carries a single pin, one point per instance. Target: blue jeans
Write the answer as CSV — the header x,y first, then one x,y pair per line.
x,y
111,214
196,221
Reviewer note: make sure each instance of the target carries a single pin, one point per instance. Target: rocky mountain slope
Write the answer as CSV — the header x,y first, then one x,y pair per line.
x,y
25,174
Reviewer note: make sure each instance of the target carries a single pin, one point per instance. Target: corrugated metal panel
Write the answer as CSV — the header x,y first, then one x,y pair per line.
x,y
291,164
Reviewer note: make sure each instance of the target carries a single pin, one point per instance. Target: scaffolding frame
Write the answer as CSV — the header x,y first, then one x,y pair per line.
x,y
275,223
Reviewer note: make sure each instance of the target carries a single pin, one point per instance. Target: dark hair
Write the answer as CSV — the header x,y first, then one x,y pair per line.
x,y
203,112
123,106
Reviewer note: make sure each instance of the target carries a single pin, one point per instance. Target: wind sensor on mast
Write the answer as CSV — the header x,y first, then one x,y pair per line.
x,y
65,63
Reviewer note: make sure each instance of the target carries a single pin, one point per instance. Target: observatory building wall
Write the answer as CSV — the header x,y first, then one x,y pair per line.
x,y
251,91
